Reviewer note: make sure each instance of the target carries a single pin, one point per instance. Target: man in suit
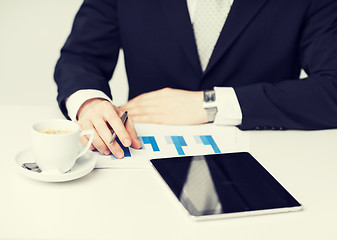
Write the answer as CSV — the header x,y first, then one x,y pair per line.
x,y
248,53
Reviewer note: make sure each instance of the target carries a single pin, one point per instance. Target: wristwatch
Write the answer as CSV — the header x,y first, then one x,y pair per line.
x,y
210,104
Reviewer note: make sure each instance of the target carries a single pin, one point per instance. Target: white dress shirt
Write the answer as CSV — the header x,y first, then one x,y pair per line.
x,y
229,111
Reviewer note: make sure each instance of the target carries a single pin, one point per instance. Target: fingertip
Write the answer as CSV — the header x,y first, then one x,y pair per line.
x,y
119,154
106,152
137,144
127,142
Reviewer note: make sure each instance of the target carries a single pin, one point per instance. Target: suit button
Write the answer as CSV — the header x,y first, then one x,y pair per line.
x,y
258,128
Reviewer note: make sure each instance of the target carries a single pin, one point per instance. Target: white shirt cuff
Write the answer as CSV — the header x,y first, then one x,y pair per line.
x,y
229,110
75,101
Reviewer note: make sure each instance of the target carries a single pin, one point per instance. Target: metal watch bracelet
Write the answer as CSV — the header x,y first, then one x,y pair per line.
x,y
210,104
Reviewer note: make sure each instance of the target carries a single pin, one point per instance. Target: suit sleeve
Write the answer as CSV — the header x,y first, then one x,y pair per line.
x,y
90,53
309,103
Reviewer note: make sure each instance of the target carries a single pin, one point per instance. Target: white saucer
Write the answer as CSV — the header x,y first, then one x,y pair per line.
x,y
82,167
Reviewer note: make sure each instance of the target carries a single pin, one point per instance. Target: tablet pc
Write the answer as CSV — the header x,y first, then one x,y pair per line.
x,y
224,185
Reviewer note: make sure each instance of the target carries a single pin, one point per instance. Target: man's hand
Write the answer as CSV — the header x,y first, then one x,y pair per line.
x,y
168,106
94,114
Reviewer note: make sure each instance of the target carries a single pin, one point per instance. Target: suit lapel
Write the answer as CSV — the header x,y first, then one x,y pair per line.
x,y
178,17
240,15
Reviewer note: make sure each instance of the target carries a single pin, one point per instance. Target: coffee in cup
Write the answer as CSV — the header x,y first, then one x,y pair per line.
x,y
55,131
56,144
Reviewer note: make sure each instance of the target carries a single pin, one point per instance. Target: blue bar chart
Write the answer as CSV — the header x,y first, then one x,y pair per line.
x,y
149,140
179,143
208,140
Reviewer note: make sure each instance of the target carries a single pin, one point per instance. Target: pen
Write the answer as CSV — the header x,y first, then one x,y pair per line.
x,y
124,117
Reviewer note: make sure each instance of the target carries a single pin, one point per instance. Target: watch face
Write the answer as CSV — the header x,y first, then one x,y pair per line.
x,y
209,96
210,104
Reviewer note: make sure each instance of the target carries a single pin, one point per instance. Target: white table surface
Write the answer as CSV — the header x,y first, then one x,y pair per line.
x,y
135,204
131,204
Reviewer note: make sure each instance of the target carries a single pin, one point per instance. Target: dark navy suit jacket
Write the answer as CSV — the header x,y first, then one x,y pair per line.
x,y
262,48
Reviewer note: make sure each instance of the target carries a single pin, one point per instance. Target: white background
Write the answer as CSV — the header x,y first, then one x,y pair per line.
x,y
32,32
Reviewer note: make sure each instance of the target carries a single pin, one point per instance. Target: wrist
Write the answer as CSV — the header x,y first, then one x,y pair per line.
x,y
87,104
203,116
76,100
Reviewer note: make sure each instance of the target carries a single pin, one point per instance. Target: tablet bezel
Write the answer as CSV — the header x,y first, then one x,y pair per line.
x,y
232,214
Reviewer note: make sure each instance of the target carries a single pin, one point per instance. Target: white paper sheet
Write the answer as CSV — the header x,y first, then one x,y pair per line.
x,y
199,140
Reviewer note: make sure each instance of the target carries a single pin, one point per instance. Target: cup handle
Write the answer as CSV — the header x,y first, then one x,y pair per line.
x,y
86,148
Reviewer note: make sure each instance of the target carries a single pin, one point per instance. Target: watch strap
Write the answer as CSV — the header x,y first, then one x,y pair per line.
x,y
210,104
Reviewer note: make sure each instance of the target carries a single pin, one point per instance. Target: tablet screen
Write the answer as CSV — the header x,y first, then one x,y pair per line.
x,y
223,183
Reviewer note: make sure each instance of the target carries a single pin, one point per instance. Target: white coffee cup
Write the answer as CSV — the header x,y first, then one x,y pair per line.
x,y
56,144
